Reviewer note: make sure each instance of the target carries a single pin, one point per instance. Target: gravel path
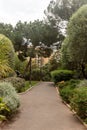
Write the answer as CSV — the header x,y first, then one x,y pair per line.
x,y
42,109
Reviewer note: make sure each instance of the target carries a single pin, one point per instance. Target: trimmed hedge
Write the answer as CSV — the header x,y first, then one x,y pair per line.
x,y
61,75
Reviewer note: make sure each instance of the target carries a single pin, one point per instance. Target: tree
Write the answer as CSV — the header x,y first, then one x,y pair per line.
x,y
7,30
58,14
65,8
37,31
77,40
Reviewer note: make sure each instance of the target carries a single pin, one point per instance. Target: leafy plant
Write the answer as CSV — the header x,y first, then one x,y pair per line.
x,y
79,101
66,89
18,83
5,70
3,109
6,51
9,95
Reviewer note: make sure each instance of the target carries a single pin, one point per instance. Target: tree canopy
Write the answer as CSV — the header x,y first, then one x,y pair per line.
x,y
76,45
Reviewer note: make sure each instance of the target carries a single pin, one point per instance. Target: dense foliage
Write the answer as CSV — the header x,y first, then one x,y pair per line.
x,y
79,101
6,57
18,83
61,75
66,89
74,48
3,110
9,95
74,92
6,50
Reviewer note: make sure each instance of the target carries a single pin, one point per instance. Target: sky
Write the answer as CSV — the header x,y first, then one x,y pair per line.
x,y
11,11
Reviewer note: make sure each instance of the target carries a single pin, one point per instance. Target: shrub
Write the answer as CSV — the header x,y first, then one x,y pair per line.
x,y
3,109
61,75
18,83
42,74
20,65
66,89
79,101
5,70
36,74
6,50
82,83
9,95
46,76
66,93
6,57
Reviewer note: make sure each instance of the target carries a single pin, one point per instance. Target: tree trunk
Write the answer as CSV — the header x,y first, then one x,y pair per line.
x,y
30,71
27,66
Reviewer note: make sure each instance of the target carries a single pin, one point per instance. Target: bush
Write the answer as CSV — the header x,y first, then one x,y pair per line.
x,y
9,95
3,109
20,65
6,51
66,89
42,74
82,83
66,93
18,83
61,75
46,73
79,101
6,57
5,70
36,74
72,83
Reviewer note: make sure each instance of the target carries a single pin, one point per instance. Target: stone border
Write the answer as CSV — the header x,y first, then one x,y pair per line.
x,y
22,93
72,110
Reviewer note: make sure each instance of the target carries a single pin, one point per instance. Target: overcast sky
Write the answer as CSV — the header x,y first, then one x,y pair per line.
x,y
11,11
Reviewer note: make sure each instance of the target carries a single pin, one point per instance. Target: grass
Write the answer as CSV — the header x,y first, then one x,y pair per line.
x,y
28,85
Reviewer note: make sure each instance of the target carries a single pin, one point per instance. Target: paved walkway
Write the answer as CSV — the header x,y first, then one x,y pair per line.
x,y
42,109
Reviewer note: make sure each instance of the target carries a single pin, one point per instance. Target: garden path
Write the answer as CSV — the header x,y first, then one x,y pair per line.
x,y
42,109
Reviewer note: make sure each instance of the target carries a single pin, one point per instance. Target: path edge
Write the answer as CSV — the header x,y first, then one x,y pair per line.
x,y
22,93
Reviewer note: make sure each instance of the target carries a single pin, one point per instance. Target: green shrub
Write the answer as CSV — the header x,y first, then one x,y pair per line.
x,y
36,74
66,89
9,95
46,76
82,83
18,83
5,70
6,50
79,101
6,57
66,93
42,74
61,75
20,65
3,109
